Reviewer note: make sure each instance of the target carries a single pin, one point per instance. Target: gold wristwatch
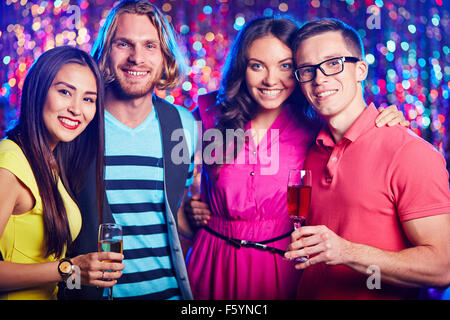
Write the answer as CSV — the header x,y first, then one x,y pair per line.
x,y
65,268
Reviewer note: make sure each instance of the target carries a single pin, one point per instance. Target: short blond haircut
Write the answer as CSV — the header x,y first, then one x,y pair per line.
x,y
174,65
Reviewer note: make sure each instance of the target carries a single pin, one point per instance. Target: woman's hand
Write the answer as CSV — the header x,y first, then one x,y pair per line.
x,y
197,211
391,116
95,272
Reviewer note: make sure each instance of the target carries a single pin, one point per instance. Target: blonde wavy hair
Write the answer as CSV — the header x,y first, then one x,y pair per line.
x,y
174,65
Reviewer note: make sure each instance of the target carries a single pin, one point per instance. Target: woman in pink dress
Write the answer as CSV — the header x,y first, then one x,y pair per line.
x,y
246,193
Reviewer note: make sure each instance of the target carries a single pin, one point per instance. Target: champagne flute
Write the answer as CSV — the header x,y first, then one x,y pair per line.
x,y
110,239
299,198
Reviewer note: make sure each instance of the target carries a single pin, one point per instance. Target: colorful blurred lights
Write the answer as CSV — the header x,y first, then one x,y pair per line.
x,y
200,63
316,3
36,26
390,56
187,86
201,17
84,5
379,3
406,85
409,57
375,89
405,46
391,45
268,12
207,10
370,58
184,29
12,82
170,99
197,46
283,7
412,28
239,22
210,36
412,114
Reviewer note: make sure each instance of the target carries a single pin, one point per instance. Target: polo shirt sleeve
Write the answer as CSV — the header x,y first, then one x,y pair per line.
x,y
419,181
191,133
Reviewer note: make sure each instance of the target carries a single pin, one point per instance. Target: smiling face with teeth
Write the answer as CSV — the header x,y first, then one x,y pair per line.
x,y
269,75
136,57
70,104
335,96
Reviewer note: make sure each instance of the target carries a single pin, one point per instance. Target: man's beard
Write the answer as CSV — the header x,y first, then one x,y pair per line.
x,y
124,90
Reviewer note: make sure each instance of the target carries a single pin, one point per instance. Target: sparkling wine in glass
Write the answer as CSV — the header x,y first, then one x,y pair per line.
x,y
299,198
110,239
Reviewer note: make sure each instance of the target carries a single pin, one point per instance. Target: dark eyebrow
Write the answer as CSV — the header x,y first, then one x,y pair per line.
x,y
324,58
282,60
152,41
333,56
66,84
286,60
129,41
73,88
122,39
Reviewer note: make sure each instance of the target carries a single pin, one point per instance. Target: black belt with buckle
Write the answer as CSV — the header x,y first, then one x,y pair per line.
x,y
261,245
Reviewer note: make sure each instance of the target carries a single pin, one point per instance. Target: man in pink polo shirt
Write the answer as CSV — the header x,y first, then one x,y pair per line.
x,y
379,222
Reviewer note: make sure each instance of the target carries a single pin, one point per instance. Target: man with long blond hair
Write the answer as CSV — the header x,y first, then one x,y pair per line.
x,y
137,53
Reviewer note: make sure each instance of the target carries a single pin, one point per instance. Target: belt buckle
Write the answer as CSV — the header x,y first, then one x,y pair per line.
x,y
236,243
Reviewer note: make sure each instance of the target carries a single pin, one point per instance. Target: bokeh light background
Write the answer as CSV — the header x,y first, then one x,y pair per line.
x,y
406,45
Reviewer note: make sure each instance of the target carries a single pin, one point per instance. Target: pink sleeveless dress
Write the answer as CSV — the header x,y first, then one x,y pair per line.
x,y
247,199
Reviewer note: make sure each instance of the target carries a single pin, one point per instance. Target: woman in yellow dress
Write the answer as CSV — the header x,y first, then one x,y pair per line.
x,y
42,163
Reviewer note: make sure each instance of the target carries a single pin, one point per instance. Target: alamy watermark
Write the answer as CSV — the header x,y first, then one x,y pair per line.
x,y
75,17
229,147
374,20
74,281
374,280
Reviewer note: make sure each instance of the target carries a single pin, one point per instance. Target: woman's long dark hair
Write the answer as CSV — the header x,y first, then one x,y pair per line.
x,y
70,160
235,105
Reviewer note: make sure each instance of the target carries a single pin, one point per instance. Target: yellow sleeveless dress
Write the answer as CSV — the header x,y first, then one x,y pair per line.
x,y
22,240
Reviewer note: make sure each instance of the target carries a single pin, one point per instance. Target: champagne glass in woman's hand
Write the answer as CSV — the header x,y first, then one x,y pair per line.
x,y
299,198
110,240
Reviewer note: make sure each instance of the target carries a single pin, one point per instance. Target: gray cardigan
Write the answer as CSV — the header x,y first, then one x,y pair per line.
x,y
175,176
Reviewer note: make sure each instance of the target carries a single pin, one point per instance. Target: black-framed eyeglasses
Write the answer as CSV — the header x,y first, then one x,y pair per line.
x,y
328,67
